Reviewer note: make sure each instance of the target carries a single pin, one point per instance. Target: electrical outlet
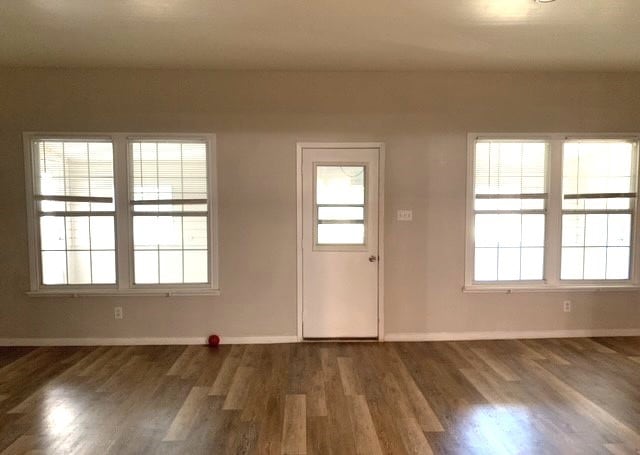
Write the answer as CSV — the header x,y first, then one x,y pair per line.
x,y
405,215
567,306
117,312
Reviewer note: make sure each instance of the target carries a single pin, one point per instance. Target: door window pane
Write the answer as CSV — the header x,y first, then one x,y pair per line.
x,y
340,205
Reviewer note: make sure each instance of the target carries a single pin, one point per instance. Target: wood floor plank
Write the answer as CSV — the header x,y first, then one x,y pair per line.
x,y
184,420
496,364
363,428
24,444
294,428
239,389
347,376
227,371
424,414
414,439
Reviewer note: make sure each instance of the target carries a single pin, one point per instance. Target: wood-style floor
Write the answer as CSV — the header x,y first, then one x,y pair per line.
x,y
569,396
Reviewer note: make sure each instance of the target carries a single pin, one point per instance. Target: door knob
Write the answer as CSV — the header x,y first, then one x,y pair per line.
x,y
373,258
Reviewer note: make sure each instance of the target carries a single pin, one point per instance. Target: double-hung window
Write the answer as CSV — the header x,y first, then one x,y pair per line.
x,y
551,211
510,195
122,213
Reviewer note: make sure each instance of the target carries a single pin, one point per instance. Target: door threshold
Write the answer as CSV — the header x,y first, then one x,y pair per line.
x,y
340,339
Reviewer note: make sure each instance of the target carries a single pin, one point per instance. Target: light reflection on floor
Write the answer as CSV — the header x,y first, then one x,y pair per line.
x,y
506,429
59,410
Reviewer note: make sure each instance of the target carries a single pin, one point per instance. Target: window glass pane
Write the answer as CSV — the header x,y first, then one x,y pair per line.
x,y
171,267
340,185
78,233
196,268
573,230
532,264
618,263
572,264
596,230
509,230
619,230
146,267
341,234
508,263
79,267
102,233
486,264
144,232
533,230
54,267
486,233
52,233
595,263
341,213
103,267
195,233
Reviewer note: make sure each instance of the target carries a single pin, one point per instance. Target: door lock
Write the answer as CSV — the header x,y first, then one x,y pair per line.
x,y
373,258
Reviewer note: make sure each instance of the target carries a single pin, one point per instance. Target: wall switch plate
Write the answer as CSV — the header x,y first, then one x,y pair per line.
x,y
117,312
405,215
566,305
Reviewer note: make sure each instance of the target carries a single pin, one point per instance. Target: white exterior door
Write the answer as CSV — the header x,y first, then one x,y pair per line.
x,y
340,242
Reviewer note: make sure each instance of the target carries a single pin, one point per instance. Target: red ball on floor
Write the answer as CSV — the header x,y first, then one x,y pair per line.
x,y
214,341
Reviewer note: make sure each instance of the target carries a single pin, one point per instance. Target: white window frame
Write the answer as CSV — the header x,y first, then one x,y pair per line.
x,y
123,219
553,226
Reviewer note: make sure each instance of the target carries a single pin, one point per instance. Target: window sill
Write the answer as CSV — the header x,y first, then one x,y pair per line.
x,y
123,292
493,289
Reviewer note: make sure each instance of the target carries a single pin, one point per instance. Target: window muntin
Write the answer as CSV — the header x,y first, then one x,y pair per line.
x,y
170,211
510,195
340,204
74,196
598,187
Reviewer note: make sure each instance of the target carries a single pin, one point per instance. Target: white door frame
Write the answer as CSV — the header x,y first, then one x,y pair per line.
x,y
300,146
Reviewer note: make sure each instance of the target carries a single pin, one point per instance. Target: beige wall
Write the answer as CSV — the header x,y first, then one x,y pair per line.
x,y
422,117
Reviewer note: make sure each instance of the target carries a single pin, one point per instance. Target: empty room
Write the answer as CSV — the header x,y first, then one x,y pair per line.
x,y
319,227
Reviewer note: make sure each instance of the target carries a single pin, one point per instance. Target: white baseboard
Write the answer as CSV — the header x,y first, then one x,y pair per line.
x,y
408,336
510,335
142,341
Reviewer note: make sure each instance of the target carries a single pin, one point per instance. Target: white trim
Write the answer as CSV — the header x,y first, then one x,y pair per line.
x,y
381,257
553,227
144,341
122,219
299,241
300,146
511,335
123,292
490,289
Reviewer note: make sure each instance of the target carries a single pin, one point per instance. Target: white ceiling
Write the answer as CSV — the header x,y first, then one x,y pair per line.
x,y
323,34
